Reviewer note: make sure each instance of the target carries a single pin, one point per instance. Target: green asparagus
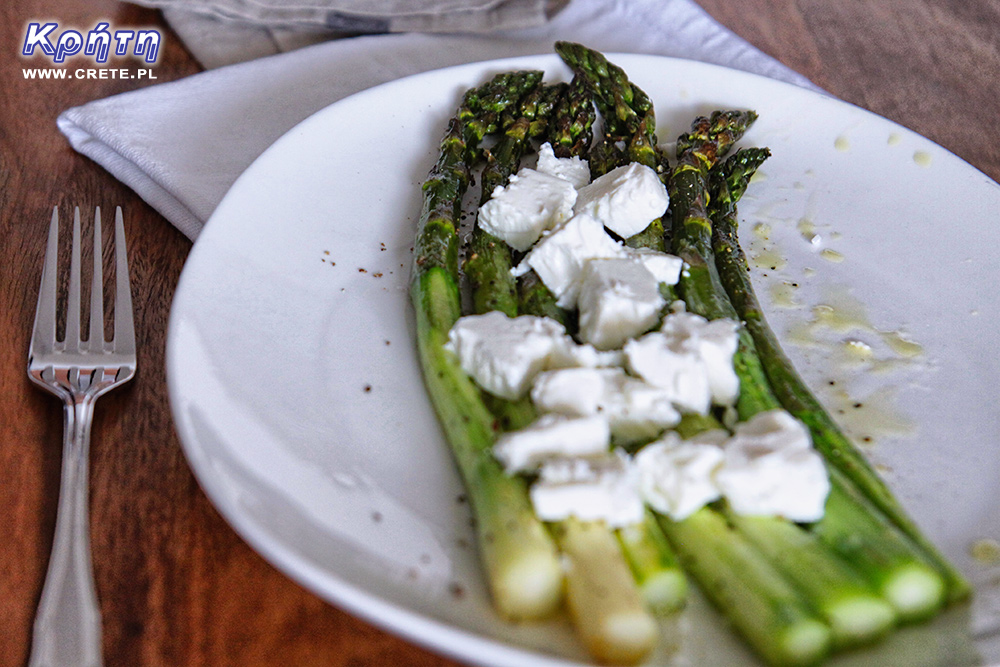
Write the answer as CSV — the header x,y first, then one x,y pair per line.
x,y
519,556
786,383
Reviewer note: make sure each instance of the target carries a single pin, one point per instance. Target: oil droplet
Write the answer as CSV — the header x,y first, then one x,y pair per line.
x,y
870,418
922,158
831,256
769,259
783,295
895,138
807,229
859,349
842,144
762,230
985,551
902,346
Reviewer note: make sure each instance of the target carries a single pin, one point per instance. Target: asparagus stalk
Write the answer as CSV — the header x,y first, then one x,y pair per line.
x,y
521,561
788,386
628,117
893,565
654,565
488,264
604,602
759,601
815,565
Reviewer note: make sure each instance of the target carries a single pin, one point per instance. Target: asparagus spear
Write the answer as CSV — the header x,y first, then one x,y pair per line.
x,y
521,561
788,386
906,570
841,596
628,117
488,264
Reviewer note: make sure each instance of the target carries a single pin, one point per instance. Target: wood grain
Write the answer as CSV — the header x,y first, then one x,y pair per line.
x,y
177,585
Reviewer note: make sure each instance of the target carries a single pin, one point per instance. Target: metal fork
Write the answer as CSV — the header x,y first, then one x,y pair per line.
x,y
67,627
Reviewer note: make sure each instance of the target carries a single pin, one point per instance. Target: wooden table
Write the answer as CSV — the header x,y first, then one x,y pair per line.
x,y
177,586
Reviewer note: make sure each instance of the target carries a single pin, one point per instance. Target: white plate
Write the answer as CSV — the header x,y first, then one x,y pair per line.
x,y
299,402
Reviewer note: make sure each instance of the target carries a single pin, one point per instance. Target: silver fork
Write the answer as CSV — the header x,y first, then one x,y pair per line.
x,y
68,622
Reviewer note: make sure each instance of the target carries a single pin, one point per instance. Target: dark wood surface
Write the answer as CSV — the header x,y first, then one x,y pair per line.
x,y
177,586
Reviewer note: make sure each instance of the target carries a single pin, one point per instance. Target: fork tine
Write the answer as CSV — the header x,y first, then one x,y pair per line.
x,y
95,340
124,340
72,338
43,336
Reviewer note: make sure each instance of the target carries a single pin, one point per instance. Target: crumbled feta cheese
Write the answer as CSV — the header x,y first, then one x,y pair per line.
x,y
573,169
625,200
552,436
666,267
636,410
559,256
691,357
716,342
529,204
503,354
677,477
770,468
619,299
591,489
680,372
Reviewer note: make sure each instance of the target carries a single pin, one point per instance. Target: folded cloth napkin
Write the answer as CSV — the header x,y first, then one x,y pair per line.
x,y
220,32
181,145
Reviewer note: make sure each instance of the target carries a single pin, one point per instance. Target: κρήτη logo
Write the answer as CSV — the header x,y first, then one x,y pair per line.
x,y
47,39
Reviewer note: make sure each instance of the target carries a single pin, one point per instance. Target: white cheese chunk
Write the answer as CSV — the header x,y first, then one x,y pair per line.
x,y
716,342
573,169
691,357
552,436
625,200
677,477
529,204
619,299
558,258
666,267
770,468
636,410
590,489
680,372
504,354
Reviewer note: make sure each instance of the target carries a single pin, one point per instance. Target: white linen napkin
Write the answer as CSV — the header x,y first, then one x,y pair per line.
x,y
181,145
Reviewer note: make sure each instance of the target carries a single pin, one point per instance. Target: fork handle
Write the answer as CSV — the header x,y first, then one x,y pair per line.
x,y
67,627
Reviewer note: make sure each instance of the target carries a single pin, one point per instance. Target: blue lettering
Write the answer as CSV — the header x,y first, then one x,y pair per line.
x,y
122,38
98,43
38,35
69,44
147,44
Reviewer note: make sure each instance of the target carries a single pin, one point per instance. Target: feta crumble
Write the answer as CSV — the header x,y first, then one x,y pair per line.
x,y
573,169
529,204
677,477
558,258
625,200
665,267
770,468
636,410
691,357
619,299
590,489
504,354
552,436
